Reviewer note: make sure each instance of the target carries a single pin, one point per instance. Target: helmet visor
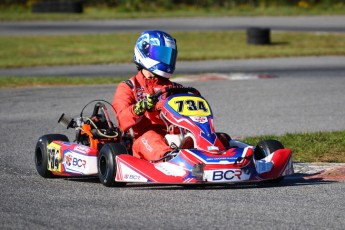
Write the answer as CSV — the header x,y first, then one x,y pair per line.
x,y
163,54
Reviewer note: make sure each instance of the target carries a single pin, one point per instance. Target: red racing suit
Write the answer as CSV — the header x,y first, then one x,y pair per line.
x,y
148,129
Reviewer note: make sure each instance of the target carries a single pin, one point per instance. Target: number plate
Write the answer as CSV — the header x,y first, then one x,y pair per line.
x,y
190,106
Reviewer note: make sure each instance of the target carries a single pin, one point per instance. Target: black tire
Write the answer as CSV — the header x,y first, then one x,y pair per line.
x,y
258,36
266,148
41,153
107,164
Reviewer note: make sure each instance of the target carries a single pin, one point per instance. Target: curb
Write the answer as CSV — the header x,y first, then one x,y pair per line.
x,y
219,76
324,171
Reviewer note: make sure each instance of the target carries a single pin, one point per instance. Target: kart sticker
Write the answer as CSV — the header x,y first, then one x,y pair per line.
x,y
212,148
79,163
54,158
190,106
82,149
170,169
130,175
225,175
263,166
201,120
231,156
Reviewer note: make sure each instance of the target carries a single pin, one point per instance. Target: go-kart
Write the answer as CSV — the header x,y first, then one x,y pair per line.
x,y
199,155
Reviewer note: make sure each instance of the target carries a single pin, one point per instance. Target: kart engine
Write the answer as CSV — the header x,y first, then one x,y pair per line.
x,y
93,131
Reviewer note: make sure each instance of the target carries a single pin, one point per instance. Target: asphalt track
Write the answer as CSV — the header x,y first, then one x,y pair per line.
x,y
295,98
278,66
242,107
299,23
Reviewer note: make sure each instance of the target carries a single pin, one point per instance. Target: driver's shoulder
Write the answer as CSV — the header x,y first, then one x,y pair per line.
x,y
129,83
175,84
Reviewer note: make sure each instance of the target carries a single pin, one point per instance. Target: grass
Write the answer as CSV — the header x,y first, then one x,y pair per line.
x,y
13,82
311,147
27,51
20,13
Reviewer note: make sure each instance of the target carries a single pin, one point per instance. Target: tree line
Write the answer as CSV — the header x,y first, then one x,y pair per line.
x,y
181,3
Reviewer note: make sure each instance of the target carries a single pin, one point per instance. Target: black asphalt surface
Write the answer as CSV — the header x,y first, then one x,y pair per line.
x,y
299,23
243,107
304,95
266,66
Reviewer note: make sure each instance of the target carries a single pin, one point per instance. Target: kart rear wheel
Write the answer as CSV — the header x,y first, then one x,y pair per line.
x,y
266,148
107,164
41,153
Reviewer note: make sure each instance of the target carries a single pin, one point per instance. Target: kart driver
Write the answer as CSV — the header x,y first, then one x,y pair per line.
x,y
155,54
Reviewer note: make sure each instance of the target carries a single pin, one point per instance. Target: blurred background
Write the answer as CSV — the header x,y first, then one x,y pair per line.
x,y
57,33
102,9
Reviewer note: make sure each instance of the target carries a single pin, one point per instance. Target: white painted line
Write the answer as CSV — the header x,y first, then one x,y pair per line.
x,y
219,76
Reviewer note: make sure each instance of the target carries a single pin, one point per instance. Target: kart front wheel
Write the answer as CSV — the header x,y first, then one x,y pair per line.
x,y
41,153
107,164
266,148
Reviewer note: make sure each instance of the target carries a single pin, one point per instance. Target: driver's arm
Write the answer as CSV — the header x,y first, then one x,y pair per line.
x,y
123,102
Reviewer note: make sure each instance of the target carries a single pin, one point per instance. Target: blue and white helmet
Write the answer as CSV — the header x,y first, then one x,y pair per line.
x,y
156,51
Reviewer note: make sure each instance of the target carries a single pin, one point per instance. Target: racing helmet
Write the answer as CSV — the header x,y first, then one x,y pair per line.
x,y
156,51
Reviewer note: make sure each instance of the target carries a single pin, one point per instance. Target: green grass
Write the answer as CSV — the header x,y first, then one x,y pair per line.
x,y
311,147
26,51
20,13
12,82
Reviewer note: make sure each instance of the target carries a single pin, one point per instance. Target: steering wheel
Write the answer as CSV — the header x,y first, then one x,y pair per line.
x,y
169,90
173,90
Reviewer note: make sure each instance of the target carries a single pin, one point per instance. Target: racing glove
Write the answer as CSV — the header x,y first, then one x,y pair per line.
x,y
151,101
145,105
